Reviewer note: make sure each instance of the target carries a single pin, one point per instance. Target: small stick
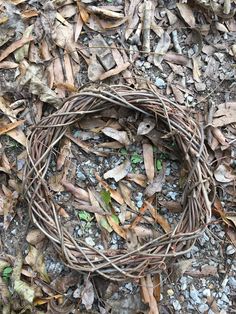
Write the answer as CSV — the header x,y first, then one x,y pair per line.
x,y
146,25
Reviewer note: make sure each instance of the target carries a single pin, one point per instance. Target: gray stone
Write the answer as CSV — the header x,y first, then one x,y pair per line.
x,y
176,305
225,298
200,87
89,241
232,282
203,308
194,295
206,293
147,65
230,250
159,82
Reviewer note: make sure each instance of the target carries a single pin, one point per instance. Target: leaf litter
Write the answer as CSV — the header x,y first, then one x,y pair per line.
x,y
49,65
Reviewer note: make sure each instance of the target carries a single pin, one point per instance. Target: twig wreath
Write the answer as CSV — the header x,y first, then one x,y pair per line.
x,y
197,196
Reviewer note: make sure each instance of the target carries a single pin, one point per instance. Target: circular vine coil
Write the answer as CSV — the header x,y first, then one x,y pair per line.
x,y
152,256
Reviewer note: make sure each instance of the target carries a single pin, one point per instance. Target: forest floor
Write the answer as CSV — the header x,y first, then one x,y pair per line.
x,y
182,50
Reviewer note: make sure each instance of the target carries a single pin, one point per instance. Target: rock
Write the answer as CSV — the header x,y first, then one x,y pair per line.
x,y
206,293
170,292
225,298
147,65
159,82
176,305
232,282
194,295
89,241
203,308
200,87
230,250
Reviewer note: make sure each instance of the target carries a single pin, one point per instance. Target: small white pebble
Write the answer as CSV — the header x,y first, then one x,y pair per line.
x,y
176,305
230,250
203,308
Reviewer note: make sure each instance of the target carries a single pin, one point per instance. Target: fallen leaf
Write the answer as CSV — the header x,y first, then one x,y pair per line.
x,y
226,114
114,194
179,96
127,196
138,178
156,185
15,45
176,58
8,65
116,227
186,13
54,182
118,69
161,49
196,70
221,27
224,174
149,161
159,218
87,295
76,191
64,152
118,172
35,236
120,136
35,259
146,126
10,126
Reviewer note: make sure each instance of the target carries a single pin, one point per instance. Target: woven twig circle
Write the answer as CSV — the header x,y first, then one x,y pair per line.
x,y
147,258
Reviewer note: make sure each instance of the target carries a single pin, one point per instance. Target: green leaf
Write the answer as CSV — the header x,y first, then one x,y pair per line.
x,y
104,223
106,196
159,164
136,158
123,152
115,219
7,272
83,215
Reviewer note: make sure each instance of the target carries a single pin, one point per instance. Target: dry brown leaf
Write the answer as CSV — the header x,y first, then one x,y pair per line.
x,y
9,202
126,194
146,126
54,182
17,44
79,193
8,65
196,70
147,290
118,172
120,136
115,71
26,14
156,185
4,163
186,13
35,236
114,145
179,96
226,114
221,27
64,152
86,147
148,157
159,218
91,209
172,206
138,178
87,295
117,228
10,126
224,174
114,194
161,49
176,58
78,27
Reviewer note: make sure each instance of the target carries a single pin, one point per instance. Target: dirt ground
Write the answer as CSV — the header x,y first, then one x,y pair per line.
x,y
183,51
